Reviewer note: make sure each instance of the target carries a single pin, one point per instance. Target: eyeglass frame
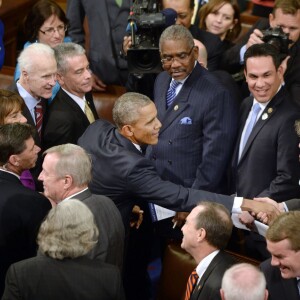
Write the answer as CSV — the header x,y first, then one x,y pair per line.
x,y
51,30
165,61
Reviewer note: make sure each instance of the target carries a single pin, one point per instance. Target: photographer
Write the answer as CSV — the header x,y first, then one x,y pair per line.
x,y
286,15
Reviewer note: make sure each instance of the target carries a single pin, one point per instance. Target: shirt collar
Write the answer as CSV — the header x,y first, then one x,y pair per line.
x,y
205,262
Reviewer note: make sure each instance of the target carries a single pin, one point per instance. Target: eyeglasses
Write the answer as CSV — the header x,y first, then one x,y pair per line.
x,y
50,31
182,57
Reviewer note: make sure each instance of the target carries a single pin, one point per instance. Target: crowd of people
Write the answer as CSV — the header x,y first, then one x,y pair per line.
x,y
214,134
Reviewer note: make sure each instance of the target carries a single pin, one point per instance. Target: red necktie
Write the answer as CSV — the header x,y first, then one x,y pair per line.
x,y
191,284
39,117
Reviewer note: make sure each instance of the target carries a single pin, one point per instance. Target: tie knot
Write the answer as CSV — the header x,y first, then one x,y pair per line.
x,y
174,84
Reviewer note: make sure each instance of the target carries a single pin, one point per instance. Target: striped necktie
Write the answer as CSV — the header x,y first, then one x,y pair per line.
x,y
191,283
171,93
39,117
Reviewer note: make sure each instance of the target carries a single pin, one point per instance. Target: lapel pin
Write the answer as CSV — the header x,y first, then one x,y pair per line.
x,y
270,110
176,107
264,116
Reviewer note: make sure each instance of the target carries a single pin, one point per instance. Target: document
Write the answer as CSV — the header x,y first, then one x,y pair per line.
x,y
160,213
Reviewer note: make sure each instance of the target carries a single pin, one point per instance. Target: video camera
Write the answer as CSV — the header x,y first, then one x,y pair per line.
x,y
145,24
277,38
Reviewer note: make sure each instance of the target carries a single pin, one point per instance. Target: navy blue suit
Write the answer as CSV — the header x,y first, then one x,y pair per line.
x,y
195,154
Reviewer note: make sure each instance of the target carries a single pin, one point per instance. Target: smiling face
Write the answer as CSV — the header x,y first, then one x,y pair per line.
x,y
55,38
15,117
286,259
220,20
262,77
78,78
145,131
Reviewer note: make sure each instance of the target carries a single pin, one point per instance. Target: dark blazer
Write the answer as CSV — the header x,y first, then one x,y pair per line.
x,y
210,283
107,27
293,204
46,278
110,246
197,154
269,165
231,61
65,121
22,211
121,173
213,45
278,287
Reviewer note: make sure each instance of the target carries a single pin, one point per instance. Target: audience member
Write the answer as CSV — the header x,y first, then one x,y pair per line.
x,y
22,210
107,22
282,271
72,109
62,270
222,18
65,175
265,160
206,233
45,23
2,50
243,282
286,15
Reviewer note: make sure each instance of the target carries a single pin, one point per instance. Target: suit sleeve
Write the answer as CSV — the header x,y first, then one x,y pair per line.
x,y
293,204
219,132
75,14
12,289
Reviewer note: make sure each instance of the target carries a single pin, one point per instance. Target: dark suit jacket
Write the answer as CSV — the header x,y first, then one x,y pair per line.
x,y
278,287
46,278
22,211
121,173
210,283
231,61
269,165
110,245
195,155
293,204
65,121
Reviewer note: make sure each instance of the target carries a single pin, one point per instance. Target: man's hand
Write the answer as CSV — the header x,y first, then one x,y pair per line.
x,y
179,218
255,38
137,217
257,207
246,219
126,44
98,84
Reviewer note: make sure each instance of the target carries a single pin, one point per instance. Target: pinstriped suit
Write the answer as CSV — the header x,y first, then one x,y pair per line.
x,y
195,155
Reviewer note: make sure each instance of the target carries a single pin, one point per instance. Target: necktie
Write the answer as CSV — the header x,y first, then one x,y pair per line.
x,y
27,180
298,284
88,113
191,283
171,93
254,113
39,117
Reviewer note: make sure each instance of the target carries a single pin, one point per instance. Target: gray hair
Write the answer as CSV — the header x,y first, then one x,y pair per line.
x,y
37,50
64,51
176,33
74,161
126,108
244,282
69,231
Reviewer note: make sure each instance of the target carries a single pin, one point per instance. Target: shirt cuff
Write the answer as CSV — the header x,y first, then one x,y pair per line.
x,y
242,54
237,203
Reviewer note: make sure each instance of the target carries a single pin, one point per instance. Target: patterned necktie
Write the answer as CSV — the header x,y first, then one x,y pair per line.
x,y
171,93
191,283
88,113
254,113
39,117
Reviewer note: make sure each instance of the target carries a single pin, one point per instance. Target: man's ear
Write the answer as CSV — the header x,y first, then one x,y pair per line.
x,y
68,181
271,20
201,234
127,131
60,78
14,160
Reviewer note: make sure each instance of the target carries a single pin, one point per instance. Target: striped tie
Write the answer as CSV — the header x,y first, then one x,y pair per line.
x,y
171,93
39,117
191,284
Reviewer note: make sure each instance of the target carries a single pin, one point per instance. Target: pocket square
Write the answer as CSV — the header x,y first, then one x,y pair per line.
x,y
186,121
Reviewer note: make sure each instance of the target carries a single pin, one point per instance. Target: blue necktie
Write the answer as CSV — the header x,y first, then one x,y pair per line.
x,y
254,113
171,94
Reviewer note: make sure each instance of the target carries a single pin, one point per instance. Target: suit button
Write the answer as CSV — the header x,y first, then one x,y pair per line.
x,y
169,162
170,142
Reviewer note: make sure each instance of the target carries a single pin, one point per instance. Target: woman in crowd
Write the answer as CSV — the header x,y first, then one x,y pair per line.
x,y
11,106
45,23
61,271
221,17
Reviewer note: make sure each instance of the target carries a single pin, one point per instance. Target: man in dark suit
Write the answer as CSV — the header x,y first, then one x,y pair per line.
x,y
282,271
206,233
286,14
72,110
65,175
266,155
22,210
107,22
